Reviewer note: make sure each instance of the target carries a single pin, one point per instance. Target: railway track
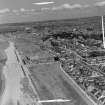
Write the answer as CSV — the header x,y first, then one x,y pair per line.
x,y
31,82
28,75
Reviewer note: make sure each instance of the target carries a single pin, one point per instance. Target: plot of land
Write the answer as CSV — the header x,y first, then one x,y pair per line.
x,y
51,83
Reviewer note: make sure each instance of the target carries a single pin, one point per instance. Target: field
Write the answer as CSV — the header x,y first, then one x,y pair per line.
x,y
51,83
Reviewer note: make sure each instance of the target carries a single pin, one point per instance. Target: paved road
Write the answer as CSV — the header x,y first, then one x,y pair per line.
x,y
3,45
13,76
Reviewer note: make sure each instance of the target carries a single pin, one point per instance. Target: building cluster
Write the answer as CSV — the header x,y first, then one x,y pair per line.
x,y
82,63
81,57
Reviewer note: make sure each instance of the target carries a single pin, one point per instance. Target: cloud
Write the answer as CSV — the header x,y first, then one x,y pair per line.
x,y
27,10
102,3
22,10
45,9
72,6
16,12
4,10
86,6
32,10
44,3
68,6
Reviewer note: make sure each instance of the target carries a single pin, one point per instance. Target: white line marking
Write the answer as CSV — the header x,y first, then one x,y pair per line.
x,y
56,100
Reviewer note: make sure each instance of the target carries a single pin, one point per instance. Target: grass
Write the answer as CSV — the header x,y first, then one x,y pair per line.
x,y
51,84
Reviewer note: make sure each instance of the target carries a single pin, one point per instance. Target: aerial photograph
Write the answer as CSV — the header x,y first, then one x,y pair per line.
x,y
52,52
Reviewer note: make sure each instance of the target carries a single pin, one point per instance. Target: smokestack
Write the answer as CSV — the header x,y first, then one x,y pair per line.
x,y
102,17
100,12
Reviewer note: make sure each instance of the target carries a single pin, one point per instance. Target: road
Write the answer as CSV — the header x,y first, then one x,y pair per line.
x,y
13,75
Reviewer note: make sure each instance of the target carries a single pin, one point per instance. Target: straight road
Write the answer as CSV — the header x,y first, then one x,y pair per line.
x,y
13,73
13,76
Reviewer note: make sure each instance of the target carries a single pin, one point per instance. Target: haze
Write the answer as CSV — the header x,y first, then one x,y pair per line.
x,y
39,10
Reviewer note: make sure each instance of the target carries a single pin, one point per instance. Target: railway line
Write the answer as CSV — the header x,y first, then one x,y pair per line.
x,y
28,75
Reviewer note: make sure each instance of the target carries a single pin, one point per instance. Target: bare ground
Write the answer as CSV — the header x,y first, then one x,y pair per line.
x,y
50,83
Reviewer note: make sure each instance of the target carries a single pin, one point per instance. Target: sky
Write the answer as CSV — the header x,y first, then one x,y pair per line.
x,y
39,10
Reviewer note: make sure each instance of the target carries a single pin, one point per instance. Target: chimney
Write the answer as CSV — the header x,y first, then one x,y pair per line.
x,y
103,31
